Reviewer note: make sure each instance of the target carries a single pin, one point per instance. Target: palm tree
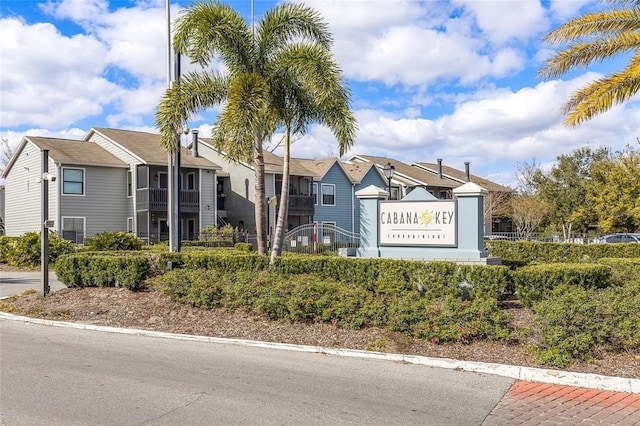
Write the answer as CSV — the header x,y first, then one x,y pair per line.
x,y
309,89
211,30
595,37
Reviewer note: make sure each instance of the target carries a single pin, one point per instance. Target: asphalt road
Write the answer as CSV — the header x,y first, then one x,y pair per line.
x,y
66,376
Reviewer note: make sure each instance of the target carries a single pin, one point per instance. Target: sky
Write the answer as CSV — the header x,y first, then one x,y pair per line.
x,y
455,80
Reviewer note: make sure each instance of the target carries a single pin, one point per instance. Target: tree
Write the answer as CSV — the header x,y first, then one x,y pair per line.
x,y
564,189
595,37
527,213
248,86
310,89
5,154
615,192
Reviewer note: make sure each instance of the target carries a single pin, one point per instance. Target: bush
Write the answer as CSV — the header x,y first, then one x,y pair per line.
x,y
113,241
24,251
534,283
243,247
94,270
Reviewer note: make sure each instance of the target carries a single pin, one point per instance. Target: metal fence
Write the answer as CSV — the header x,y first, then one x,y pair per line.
x,y
546,237
314,238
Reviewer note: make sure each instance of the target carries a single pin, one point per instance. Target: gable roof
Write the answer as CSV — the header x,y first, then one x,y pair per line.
x,y
461,177
404,171
68,151
358,171
146,147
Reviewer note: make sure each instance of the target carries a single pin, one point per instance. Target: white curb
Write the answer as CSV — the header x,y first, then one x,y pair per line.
x,y
565,378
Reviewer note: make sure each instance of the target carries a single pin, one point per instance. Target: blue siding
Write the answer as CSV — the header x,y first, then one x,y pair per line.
x,y
340,213
371,178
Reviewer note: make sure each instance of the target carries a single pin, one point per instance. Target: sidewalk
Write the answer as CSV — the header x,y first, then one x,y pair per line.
x,y
16,282
528,403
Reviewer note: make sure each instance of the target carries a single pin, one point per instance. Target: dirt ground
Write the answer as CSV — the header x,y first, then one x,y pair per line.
x,y
150,310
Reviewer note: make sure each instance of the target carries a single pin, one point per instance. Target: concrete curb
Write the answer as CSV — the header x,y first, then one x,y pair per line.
x,y
565,378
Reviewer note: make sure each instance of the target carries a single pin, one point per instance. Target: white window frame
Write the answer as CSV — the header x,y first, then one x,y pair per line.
x,y
129,225
186,181
328,185
314,191
129,184
84,182
84,226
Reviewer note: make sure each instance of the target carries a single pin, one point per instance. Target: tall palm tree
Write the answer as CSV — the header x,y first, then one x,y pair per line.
x,y
309,89
595,37
210,30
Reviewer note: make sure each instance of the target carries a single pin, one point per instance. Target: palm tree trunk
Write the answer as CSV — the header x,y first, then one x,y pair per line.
x,y
260,217
283,212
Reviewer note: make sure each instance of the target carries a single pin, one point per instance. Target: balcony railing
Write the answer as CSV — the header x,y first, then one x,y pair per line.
x,y
301,205
156,199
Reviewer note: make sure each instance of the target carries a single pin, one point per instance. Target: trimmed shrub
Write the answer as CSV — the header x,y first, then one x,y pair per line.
x,y
92,270
534,283
622,270
113,241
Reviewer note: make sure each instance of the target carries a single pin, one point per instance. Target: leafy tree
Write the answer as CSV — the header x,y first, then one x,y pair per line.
x,y
527,212
249,85
595,37
615,192
564,189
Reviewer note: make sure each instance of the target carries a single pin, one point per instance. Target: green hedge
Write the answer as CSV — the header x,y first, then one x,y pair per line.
x,y
534,283
437,315
519,252
622,270
93,270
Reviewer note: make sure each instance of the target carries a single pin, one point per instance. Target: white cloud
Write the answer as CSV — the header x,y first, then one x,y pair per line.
x,y
504,21
48,79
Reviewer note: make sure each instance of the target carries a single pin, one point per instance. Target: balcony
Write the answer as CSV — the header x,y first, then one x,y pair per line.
x,y
156,199
301,205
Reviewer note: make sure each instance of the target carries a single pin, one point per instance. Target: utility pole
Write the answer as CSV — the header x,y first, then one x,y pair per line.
x,y
44,237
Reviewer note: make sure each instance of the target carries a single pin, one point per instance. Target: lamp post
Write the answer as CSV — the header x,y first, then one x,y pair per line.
x,y
389,170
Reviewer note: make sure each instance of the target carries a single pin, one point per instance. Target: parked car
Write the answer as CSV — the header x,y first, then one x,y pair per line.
x,y
621,238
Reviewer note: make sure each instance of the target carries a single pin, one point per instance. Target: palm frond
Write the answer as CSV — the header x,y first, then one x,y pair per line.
x,y
595,25
209,28
602,94
194,92
580,55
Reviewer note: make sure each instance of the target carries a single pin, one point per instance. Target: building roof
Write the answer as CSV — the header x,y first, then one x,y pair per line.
x,y
404,171
68,151
357,171
461,177
320,167
146,146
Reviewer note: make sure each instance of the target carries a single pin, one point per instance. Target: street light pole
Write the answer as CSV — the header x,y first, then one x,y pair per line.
x,y
389,170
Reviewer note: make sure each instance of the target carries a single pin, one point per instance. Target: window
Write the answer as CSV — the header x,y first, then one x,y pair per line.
x,y
314,191
129,184
163,181
73,181
328,194
130,225
191,181
73,229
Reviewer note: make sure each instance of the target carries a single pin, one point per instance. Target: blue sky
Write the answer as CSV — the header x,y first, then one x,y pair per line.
x,y
430,79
